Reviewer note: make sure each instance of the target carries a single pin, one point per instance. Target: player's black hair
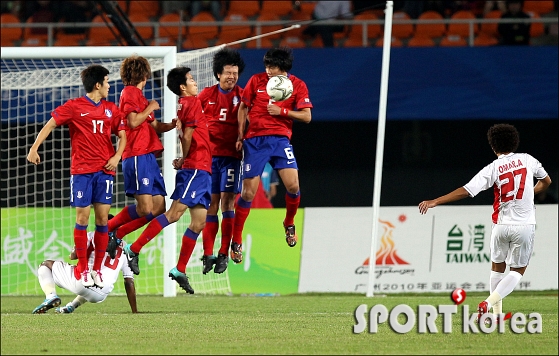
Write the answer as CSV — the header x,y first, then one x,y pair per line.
x,y
92,75
175,78
134,70
281,57
503,138
227,56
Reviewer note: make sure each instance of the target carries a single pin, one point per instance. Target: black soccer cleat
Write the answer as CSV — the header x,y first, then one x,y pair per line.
x,y
208,261
112,245
221,263
181,279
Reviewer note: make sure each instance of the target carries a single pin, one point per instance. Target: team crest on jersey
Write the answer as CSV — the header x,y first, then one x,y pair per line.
x,y
145,181
108,113
79,194
247,167
193,195
235,100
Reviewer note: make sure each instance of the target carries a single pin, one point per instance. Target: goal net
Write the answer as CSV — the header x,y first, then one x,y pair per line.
x,y
37,221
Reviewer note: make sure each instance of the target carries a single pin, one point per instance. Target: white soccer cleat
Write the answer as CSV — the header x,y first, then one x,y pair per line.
x,y
87,280
97,278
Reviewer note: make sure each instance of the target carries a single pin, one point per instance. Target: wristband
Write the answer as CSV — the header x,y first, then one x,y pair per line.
x,y
284,112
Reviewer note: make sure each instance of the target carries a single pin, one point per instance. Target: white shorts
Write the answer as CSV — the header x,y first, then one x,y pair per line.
x,y
512,244
63,274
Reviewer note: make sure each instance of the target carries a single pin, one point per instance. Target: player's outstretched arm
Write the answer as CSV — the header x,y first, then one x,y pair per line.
x,y
455,195
161,127
33,155
131,293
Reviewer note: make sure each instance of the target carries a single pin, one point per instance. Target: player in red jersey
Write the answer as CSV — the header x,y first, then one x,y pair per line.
x,y
142,176
91,120
221,104
193,180
266,138
511,176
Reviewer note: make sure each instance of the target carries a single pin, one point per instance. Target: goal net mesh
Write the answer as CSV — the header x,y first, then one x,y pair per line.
x,y
37,220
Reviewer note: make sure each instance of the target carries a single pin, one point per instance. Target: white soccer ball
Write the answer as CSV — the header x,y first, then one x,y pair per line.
x,y
279,88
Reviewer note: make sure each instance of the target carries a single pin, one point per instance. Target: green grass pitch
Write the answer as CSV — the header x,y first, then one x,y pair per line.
x,y
290,324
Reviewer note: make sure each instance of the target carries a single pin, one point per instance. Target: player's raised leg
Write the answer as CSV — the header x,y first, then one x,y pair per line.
x,y
44,273
290,179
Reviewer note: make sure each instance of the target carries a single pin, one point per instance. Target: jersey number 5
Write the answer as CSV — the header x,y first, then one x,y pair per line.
x,y
510,185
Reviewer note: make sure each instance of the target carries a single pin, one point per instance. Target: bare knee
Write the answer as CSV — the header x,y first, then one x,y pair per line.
x,y
197,227
520,270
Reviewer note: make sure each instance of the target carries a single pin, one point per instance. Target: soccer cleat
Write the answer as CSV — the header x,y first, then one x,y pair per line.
x,y
481,309
47,304
181,279
87,280
290,236
113,243
69,308
237,252
132,259
209,262
97,278
221,263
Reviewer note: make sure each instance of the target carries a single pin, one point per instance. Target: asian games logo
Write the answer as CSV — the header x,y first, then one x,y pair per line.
x,y
387,258
108,113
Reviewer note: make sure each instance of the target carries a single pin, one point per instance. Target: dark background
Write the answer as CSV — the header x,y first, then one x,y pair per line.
x,y
441,102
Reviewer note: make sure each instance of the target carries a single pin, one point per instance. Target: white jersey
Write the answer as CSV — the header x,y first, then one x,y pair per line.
x,y
110,269
512,178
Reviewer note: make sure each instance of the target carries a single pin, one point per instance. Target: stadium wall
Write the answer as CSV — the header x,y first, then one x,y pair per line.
x,y
445,249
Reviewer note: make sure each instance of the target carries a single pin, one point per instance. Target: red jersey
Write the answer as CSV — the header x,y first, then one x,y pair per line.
x,y
190,114
220,108
256,99
143,139
90,127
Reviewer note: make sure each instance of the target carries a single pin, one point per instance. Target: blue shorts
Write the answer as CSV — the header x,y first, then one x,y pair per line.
x,y
257,151
142,175
192,187
86,189
226,172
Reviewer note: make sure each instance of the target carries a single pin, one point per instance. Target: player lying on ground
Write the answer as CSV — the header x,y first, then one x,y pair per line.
x,y
64,275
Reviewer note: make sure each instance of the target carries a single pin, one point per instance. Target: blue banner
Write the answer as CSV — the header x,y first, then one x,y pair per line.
x,y
426,83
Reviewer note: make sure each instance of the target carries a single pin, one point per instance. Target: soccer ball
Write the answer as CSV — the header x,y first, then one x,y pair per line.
x,y
279,88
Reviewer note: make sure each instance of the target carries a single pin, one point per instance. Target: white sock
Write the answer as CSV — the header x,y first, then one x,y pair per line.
x,y
504,288
508,284
79,300
46,281
494,280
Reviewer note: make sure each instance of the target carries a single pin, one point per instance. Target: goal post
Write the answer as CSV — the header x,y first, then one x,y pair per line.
x,y
35,200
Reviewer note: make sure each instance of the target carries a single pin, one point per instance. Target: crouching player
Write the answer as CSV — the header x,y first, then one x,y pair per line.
x,y
65,275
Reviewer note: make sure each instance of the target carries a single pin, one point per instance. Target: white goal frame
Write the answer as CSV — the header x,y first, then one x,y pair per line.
x,y
169,56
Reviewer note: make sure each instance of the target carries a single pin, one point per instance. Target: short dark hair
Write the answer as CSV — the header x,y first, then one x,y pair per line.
x,y
281,57
92,75
134,70
503,138
227,56
175,78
